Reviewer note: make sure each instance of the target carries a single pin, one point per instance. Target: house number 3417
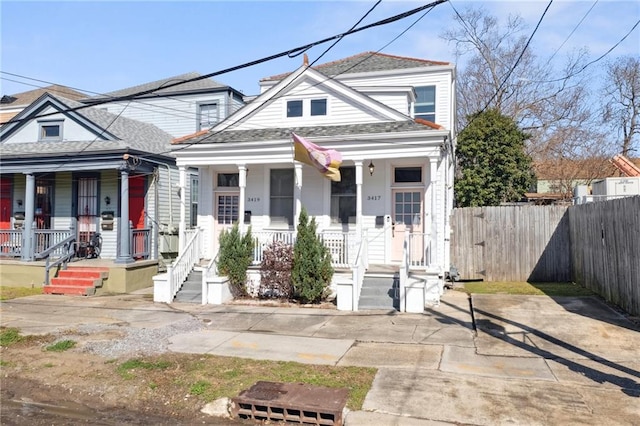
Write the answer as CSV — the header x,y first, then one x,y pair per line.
x,y
373,197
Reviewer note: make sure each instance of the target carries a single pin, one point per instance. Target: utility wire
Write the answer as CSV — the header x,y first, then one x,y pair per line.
x,y
258,61
574,29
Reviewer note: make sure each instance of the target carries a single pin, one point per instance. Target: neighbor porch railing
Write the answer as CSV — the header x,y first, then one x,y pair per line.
x,y
10,242
178,271
342,245
140,242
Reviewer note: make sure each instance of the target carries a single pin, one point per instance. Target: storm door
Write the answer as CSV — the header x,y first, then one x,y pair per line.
x,y
87,208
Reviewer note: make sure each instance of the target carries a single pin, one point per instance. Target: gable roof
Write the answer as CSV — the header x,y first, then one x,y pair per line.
x,y
382,111
202,85
25,98
367,62
584,169
112,132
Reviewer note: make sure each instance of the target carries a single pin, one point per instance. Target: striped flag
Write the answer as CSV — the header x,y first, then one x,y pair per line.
x,y
327,161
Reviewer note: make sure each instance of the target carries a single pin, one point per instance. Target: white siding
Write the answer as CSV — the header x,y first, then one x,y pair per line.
x,y
340,110
441,79
168,199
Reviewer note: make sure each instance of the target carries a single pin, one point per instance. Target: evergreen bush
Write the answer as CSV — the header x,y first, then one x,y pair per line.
x,y
236,254
312,271
275,271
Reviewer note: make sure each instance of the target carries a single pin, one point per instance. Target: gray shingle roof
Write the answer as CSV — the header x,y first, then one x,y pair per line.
x,y
131,134
254,135
194,86
367,62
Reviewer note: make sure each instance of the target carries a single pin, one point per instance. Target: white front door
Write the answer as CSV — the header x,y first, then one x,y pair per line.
x,y
226,212
407,216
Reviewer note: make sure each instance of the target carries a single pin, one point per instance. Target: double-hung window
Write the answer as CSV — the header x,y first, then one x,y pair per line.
x,y
425,106
208,115
343,197
193,222
281,196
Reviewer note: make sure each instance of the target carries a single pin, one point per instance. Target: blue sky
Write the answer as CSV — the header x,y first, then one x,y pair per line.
x,y
105,46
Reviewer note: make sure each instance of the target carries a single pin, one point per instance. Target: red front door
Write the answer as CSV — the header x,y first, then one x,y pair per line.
x,y
5,203
136,212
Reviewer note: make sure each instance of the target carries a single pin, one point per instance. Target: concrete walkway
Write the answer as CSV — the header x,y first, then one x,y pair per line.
x,y
533,360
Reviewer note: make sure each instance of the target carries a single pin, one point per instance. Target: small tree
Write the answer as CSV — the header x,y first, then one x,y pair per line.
x,y
312,270
275,271
236,254
494,165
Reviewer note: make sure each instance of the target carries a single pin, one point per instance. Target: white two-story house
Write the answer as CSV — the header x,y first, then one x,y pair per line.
x,y
391,118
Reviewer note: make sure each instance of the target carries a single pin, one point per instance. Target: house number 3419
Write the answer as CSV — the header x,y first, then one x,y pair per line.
x,y
373,197
253,199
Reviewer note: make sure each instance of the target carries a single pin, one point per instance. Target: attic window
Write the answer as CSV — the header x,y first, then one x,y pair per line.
x,y
294,108
318,107
50,130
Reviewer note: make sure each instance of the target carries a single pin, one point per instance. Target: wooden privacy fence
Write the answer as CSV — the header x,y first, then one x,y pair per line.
x,y
511,243
605,242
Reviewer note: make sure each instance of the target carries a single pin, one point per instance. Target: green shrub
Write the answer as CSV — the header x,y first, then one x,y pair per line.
x,y
275,271
236,254
61,346
312,270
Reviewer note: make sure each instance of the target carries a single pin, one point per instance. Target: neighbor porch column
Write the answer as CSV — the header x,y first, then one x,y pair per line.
x,y
124,243
297,194
182,227
29,217
358,198
242,181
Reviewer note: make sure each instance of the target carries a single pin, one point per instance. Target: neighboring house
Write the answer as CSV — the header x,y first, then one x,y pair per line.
x,y
391,118
557,181
67,175
177,109
11,105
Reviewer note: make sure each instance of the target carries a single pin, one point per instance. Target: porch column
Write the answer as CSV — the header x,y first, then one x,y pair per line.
x,y
182,227
431,224
124,246
29,217
297,194
242,181
358,198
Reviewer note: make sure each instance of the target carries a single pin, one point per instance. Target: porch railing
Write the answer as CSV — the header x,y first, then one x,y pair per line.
x,y
178,271
10,242
358,270
419,251
342,245
66,247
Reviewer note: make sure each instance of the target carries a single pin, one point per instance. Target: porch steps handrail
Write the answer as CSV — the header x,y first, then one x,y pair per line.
x,y
67,244
358,269
419,254
178,271
404,273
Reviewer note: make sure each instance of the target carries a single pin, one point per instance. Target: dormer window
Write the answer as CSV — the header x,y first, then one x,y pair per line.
x,y
425,106
294,108
50,130
318,107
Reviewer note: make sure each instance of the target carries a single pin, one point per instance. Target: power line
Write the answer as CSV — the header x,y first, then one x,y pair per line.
x,y
289,52
574,29
333,77
595,60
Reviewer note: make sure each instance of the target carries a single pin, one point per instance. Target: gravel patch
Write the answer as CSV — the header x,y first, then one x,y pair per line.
x,y
133,340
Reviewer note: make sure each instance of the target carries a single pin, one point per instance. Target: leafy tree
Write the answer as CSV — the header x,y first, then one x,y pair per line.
x,y
493,162
236,254
312,270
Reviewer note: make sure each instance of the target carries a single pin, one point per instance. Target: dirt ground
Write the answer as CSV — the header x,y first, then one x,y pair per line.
x,y
39,387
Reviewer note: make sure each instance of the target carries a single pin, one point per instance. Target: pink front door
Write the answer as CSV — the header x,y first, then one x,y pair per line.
x,y
407,216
